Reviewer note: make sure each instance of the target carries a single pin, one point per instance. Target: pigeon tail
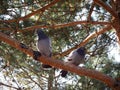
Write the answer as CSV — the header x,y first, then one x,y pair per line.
x,y
46,66
63,73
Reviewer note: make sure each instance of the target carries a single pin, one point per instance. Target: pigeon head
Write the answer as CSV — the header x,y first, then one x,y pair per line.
x,y
41,35
81,51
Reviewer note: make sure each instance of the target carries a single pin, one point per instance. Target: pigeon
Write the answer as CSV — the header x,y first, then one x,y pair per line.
x,y
76,57
44,46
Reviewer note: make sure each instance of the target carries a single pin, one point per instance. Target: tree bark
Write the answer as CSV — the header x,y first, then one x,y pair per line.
x,y
116,20
62,65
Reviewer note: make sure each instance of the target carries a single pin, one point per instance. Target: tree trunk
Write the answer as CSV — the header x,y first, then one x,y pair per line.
x,y
116,25
116,21
50,80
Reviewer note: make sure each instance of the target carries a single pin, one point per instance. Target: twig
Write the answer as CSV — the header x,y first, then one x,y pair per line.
x,y
8,86
90,12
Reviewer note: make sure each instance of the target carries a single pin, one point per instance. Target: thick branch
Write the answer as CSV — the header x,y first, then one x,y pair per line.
x,y
33,13
59,64
86,40
116,21
65,25
106,7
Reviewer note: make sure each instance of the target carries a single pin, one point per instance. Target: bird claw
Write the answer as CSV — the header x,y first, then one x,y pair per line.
x,y
63,73
46,66
23,46
36,54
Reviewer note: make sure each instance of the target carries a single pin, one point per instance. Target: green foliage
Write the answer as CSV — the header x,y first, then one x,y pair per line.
x,y
22,71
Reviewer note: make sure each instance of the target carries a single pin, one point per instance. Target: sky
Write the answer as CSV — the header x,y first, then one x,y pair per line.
x,y
115,53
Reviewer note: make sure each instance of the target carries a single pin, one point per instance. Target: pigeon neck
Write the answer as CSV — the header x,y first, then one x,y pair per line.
x,y
42,37
81,52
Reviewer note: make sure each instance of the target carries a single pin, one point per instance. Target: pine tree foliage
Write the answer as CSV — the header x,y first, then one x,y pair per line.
x,y
70,24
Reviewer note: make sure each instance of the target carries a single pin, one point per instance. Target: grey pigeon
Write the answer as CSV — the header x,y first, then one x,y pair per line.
x,y
76,57
44,46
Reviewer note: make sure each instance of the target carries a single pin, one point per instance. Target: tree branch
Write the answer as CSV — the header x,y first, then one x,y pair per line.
x,y
106,7
64,25
59,63
90,12
59,25
41,10
8,86
85,41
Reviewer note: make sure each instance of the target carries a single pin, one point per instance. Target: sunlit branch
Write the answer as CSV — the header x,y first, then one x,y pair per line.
x,y
85,41
64,25
60,64
33,13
